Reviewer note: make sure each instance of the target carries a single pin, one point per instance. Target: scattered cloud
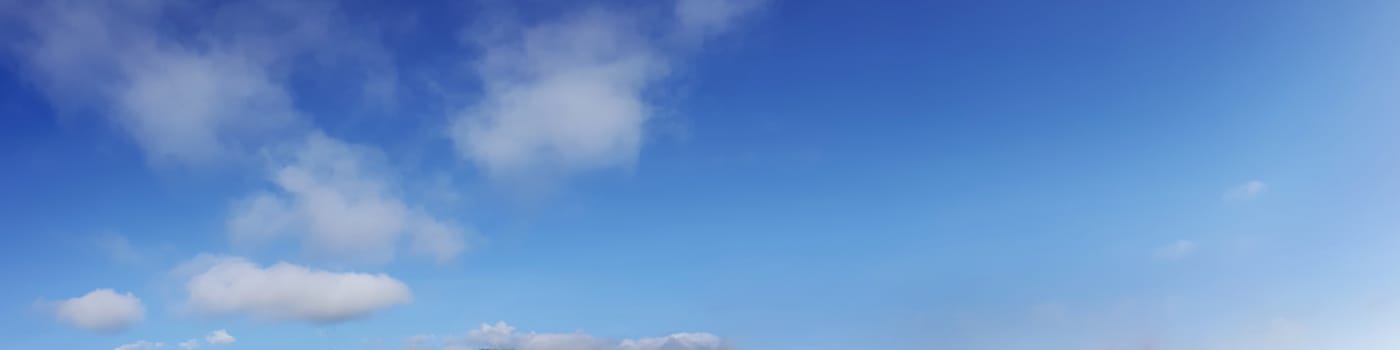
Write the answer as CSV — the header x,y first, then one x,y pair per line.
x,y
503,336
101,310
338,199
141,345
569,95
1246,191
219,337
194,83
419,342
1176,250
182,102
283,291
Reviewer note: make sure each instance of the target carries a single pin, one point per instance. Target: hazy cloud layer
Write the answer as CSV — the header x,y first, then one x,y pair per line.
x,y
339,200
219,337
1176,250
102,310
1246,191
141,345
503,336
229,285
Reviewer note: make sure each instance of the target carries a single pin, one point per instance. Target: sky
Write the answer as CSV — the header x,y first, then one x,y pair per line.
x,y
700,175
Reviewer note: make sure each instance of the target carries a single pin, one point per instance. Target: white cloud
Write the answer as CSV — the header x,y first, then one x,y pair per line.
x,y
219,337
569,95
189,103
101,310
503,336
337,198
283,291
1176,250
678,341
190,344
1246,191
141,345
212,91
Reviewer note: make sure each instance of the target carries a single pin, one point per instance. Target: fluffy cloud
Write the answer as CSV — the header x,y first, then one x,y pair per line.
x,y
141,345
1246,191
214,89
219,337
336,197
229,285
503,336
190,344
101,310
568,95
187,103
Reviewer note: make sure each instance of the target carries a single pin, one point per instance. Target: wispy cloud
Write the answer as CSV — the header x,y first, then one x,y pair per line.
x,y
141,345
1176,250
1246,191
503,336
118,248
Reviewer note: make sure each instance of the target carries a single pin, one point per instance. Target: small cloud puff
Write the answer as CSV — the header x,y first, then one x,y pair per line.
x,y
219,337
283,291
101,310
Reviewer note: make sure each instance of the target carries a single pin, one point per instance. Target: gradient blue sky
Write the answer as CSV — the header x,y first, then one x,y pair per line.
x,y
777,174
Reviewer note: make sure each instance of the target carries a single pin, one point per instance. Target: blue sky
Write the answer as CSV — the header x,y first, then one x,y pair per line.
x,y
700,175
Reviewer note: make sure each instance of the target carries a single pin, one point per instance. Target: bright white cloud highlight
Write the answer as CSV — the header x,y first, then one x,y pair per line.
x,y
503,336
568,95
1246,191
102,310
283,291
219,337
141,345
337,198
